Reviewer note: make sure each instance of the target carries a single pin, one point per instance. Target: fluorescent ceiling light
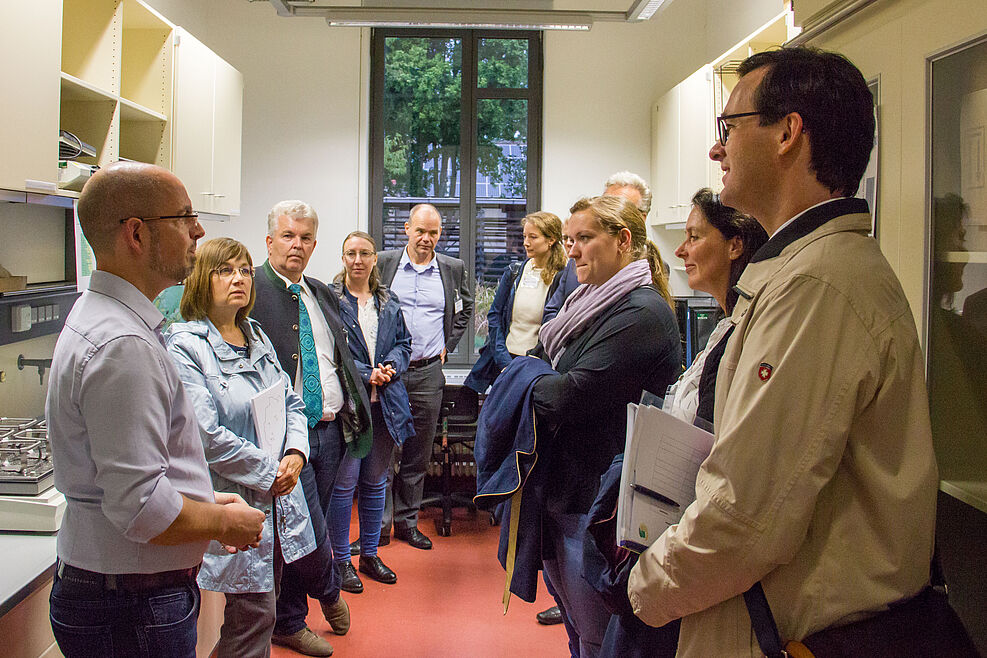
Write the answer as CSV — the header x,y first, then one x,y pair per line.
x,y
644,9
486,19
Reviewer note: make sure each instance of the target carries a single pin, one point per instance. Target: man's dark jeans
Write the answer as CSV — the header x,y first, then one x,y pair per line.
x,y
314,574
89,622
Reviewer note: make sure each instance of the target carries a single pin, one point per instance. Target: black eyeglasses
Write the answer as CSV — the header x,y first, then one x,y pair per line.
x,y
723,130
191,216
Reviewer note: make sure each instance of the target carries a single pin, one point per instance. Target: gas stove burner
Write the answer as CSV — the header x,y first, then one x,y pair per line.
x,y
25,456
10,426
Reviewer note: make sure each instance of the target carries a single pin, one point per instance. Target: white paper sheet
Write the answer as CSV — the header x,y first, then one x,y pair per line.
x,y
270,419
662,455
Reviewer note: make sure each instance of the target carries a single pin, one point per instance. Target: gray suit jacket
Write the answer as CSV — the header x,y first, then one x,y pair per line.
x,y
455,283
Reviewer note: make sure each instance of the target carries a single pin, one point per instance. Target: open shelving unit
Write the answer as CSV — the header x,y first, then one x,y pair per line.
x,y
116,79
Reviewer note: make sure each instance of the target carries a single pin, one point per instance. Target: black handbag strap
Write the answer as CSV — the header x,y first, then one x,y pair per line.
x,y
763,622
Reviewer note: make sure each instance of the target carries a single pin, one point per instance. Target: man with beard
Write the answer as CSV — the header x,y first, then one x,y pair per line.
x,y
124,438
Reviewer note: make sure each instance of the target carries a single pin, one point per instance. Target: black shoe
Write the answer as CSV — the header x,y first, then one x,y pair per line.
x,y
350,579
376,569
550,617
414,537
355,548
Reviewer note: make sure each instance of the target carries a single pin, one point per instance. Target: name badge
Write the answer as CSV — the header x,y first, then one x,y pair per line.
x,y
458,306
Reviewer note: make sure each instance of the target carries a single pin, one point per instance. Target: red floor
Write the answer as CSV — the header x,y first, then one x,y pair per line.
x,y
447,602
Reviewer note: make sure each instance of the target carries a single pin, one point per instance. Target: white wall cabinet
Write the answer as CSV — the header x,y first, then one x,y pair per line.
x,y
30,47
683,128
207,127
111,72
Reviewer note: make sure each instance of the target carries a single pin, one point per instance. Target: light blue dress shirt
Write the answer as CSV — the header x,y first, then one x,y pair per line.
x,y
124,437
423,303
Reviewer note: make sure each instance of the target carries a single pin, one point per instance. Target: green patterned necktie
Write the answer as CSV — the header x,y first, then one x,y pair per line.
x,y
311,382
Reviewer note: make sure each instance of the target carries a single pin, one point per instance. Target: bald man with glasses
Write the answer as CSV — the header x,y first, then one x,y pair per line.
x,y
140,509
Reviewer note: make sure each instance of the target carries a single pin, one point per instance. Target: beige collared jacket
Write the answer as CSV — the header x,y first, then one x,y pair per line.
x,y
822,479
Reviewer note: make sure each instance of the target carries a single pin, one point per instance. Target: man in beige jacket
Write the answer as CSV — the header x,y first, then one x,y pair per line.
x,y
822,480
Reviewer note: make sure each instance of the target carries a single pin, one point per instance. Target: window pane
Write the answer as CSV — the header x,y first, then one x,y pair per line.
x,y
958,295
502,63
501,149
396,213
422,94
499,242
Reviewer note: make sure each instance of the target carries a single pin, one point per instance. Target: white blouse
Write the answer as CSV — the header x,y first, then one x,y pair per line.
x,y
529,306
684,393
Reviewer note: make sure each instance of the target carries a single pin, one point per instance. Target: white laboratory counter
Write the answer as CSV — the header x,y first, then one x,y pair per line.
x,y
29,562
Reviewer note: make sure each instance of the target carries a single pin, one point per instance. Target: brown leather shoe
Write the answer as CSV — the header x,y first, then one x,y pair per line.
x,y
338,615
305,642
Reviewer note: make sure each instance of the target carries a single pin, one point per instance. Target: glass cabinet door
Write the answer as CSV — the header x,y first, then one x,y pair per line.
x,y
957,322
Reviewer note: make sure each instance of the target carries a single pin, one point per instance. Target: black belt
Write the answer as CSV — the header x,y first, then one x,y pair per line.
x,y
421,363
126,582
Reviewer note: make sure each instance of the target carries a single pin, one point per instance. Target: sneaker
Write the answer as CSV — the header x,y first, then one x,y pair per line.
x,y
338,615
304,642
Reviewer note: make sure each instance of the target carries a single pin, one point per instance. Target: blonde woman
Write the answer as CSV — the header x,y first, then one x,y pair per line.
x,y
515,315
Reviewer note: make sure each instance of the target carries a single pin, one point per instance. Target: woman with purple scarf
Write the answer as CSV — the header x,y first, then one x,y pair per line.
x,y
615,337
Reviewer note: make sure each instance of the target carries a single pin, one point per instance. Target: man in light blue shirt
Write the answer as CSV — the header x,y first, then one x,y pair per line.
x,y
124,438
437,300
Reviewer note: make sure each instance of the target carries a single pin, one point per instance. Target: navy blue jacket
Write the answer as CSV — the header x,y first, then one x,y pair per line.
x,y
566,285
494,356
607,567
506,452
393,347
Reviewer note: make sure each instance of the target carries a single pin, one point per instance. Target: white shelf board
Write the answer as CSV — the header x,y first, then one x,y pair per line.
x,y
131,111
76,89
971,492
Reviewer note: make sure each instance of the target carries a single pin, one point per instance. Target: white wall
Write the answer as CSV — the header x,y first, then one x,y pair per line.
x,y
305,109
304,117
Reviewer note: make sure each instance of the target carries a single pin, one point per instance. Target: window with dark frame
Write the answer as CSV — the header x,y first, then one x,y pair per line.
x,y
455,121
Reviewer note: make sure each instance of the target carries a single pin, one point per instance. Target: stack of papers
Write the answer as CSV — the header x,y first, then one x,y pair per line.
x,y
662,456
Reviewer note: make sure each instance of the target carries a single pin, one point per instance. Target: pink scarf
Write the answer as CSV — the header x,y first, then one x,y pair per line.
x,y
586,303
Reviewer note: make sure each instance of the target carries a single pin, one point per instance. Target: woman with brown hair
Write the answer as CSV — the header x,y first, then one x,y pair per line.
x,y
225,360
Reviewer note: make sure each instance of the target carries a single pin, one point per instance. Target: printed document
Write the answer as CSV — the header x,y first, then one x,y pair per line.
x,y
662,455
270,419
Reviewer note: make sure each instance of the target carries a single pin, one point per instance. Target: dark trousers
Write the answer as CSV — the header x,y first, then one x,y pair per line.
x,y
405,488
313,575
91,621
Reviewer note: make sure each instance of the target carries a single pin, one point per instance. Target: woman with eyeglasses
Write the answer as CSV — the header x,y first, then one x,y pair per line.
x,y
225,360
381,347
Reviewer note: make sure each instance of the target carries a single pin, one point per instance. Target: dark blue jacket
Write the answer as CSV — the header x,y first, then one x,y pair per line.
x,y
494,356
506,452
393,347
607,567
566,284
